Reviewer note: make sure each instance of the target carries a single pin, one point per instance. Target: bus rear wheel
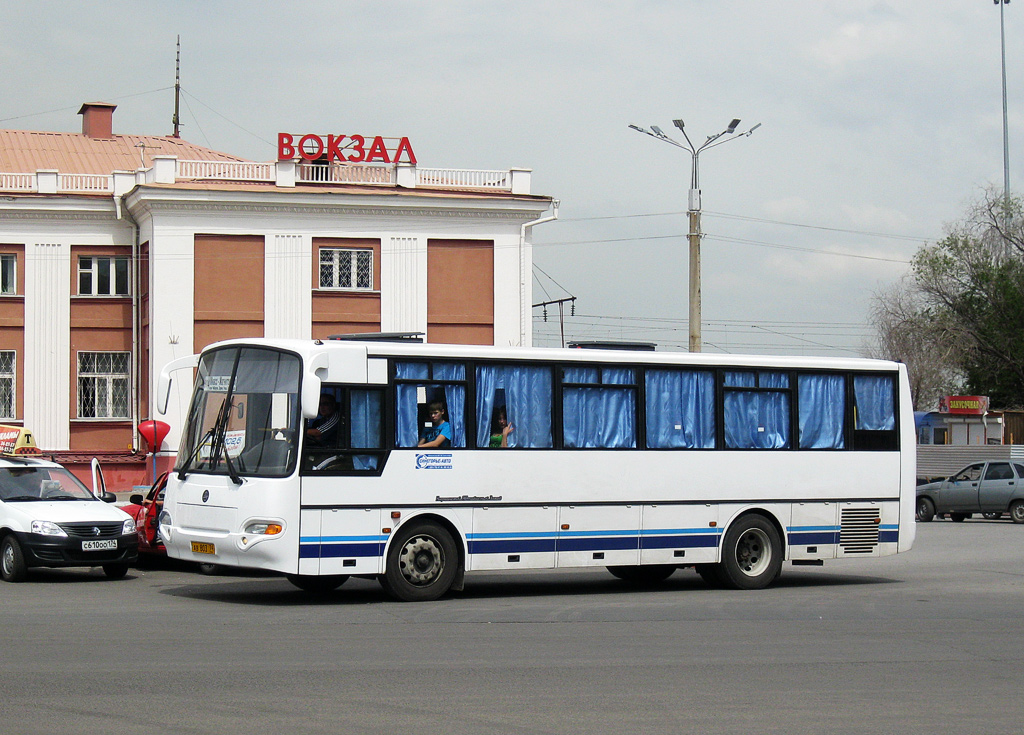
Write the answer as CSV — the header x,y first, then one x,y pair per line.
x,y
642,575
421,563
317,584
751,554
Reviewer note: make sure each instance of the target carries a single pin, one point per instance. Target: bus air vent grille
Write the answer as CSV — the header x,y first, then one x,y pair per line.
x,y
858,532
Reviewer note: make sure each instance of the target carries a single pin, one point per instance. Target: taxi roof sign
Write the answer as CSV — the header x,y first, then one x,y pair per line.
x,y
16,440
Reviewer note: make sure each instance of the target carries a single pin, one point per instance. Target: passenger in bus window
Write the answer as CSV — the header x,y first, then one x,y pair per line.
x,y
500,429
323,430
440,435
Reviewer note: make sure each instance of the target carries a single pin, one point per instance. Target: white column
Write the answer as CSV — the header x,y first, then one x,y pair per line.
x,y
507,292
172,320
48,344
403,287
288,289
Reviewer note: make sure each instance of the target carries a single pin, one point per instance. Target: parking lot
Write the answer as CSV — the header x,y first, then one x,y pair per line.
x,y
925,642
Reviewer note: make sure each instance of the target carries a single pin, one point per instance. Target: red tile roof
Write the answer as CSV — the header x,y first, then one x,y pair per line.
x,y
24,151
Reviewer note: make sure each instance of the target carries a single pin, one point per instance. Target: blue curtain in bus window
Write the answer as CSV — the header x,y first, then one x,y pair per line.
x,y
755,420
581,375
680,409
366,426
528,401
875,404
599,417
407,432
822,408
740,380
454,398
772,380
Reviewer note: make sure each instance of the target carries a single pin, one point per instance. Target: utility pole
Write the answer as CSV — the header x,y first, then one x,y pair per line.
x,y
693,209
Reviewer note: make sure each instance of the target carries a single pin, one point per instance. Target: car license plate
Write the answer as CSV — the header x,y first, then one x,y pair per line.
x,y
198,547
109,545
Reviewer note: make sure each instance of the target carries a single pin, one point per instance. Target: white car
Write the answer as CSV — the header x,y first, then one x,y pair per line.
x,y
48,518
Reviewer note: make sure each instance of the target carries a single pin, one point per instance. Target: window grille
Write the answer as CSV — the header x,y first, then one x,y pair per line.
x,y
7,384
103,385
346,268
103,276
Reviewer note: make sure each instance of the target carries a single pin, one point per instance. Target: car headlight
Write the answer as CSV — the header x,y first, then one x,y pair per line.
x,y
128,527
47,528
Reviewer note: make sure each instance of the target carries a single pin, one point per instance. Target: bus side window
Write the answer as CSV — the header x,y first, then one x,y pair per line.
x,y
756,410
599,407
822,400
420,384
874,405
680,409
525,392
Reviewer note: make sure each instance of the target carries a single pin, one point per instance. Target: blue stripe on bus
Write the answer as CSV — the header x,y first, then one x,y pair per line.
x,y
679,542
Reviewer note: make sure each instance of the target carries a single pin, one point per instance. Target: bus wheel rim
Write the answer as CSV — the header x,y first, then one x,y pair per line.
x,y
421,560
753,552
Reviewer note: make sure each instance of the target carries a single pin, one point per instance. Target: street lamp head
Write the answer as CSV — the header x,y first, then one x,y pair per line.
x,y
637,128
733,125
657,131
678,124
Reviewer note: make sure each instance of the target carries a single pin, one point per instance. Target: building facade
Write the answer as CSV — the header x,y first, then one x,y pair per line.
x,y
121,253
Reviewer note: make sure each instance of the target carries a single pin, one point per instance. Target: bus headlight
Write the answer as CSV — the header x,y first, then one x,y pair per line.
x,y
47,528
260,528
129,527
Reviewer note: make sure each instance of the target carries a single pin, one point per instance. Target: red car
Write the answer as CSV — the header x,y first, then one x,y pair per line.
x,y
145,510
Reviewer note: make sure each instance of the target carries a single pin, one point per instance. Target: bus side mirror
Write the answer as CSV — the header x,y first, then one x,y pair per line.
x,y
163,386
310,396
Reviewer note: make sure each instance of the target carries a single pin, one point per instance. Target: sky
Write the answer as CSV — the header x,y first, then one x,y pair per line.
x,y
881,123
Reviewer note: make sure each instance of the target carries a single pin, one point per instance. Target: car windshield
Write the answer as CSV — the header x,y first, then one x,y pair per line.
x,y
27,484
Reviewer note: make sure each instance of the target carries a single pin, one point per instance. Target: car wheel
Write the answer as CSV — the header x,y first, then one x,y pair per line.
x,y
925,509
959,517
317,585
751,554
1017,511
992,516
115,571
645,574
421,564
12,561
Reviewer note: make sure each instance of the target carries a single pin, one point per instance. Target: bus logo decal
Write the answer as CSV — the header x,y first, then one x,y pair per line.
x,y
433,461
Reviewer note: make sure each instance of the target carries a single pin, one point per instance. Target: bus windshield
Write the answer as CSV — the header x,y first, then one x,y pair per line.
x,y
245,415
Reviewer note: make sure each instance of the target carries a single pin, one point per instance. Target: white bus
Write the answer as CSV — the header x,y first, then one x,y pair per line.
x,y
641,462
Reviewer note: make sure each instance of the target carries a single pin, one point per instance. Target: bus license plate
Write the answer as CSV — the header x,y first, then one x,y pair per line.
x,y
109,545
198,547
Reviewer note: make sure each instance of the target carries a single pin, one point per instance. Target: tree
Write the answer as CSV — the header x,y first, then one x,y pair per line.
x,y
908,333
965,296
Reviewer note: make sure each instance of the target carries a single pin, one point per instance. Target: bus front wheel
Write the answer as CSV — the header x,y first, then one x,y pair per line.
x,y
751,554
421,563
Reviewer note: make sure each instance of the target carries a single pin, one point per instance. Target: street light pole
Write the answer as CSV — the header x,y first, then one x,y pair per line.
x,y
1006,140
693,209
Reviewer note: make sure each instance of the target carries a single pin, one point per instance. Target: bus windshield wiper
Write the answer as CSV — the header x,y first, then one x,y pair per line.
x,y
211,436
219,445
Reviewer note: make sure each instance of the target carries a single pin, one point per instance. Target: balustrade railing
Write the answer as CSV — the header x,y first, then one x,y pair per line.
x,y
85,183
17,182
345,173
226,170
463,178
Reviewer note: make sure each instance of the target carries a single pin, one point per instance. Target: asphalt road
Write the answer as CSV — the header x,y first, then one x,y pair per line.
x,y
924,642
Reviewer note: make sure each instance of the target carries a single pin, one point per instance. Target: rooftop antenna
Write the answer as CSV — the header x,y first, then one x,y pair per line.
x,y
177,88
